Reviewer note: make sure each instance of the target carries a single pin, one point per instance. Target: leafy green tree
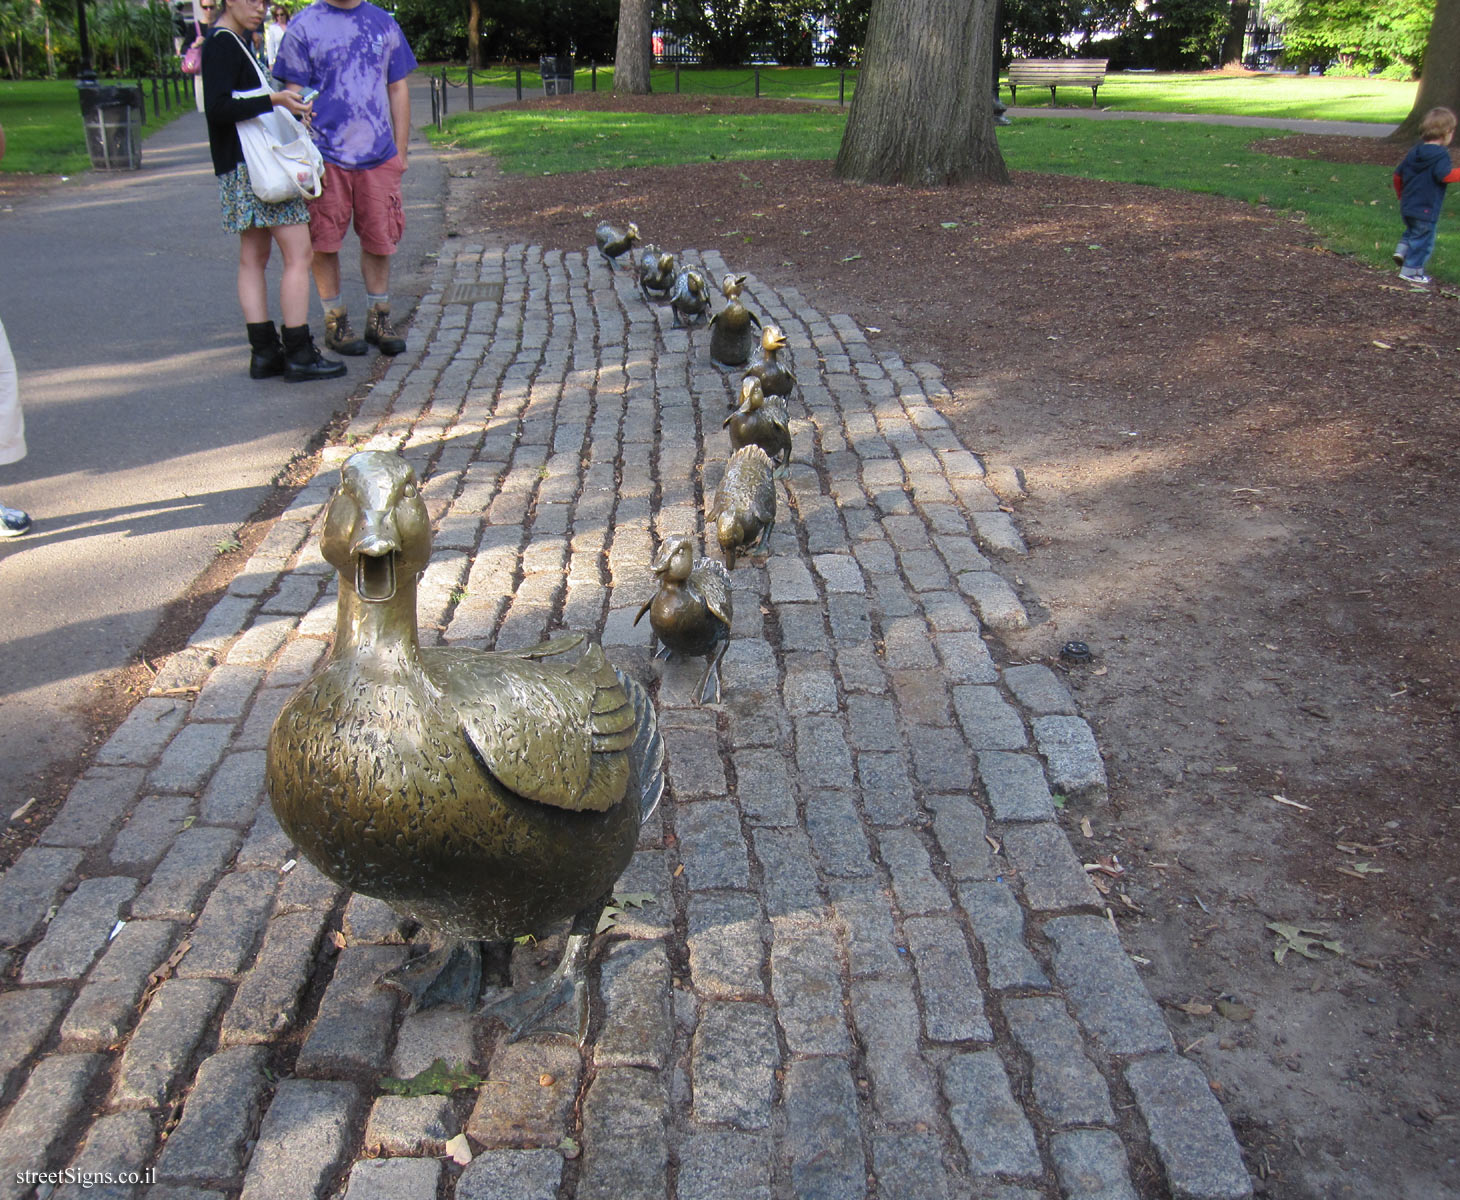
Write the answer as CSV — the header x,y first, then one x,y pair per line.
x,y
1362,35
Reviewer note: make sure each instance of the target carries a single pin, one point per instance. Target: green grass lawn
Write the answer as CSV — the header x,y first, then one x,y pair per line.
x,y
43,130
1306,97
1351,208
1309,97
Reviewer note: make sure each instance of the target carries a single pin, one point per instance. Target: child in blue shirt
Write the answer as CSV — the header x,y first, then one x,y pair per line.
x,y
1419,182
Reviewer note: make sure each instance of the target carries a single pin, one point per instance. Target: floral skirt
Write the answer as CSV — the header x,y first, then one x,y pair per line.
x,y
244,210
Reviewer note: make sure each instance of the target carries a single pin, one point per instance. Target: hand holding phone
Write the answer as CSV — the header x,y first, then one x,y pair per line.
x,y
307,95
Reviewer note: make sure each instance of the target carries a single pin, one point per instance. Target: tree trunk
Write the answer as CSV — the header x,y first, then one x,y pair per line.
x,y
1439,85
923,114
633,55
1236,33
474,34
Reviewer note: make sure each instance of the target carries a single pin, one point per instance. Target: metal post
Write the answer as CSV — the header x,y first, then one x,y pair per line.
x,y
443,91
592,77
142,96
757,83
519,83
676,79
841,88
471,102
156,106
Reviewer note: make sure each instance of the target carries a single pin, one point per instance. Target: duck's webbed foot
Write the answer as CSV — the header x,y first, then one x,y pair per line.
x,y
559,1003
448,973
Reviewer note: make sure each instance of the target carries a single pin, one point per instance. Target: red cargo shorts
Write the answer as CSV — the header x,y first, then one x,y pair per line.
x,y
372,196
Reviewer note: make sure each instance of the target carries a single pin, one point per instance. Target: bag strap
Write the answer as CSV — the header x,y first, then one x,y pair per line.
x,y
267,86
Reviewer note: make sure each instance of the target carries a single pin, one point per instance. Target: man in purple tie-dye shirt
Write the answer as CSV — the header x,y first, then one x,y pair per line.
x,y
357,56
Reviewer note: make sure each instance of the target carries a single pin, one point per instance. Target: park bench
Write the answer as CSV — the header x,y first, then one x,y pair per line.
x,y
1057,72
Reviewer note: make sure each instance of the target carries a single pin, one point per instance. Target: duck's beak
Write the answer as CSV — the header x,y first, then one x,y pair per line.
x,y
375,554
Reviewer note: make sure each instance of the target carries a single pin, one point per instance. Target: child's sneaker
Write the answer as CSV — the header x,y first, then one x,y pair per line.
x,y
1399,252
1421,279
13,522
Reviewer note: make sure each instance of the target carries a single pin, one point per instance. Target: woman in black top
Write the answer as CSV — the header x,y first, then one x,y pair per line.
x,y
229,68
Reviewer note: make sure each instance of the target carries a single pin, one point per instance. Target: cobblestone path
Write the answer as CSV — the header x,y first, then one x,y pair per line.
x,y
872,963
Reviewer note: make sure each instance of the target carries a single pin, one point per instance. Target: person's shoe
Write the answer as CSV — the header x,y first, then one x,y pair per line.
x,y
1399,252
302,359
381,334
267,359
339,337
13,522
1421,279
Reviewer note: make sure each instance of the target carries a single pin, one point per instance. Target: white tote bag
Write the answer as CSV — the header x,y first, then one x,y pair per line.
x,y
283,161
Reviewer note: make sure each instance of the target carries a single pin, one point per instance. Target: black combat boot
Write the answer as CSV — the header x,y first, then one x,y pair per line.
x,y
302,359
267,359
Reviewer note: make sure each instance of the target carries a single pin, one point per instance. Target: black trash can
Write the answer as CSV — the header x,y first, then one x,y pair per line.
x,y
113,120
557,74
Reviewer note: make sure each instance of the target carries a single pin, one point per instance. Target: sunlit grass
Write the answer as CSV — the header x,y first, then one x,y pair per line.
x,y
43,130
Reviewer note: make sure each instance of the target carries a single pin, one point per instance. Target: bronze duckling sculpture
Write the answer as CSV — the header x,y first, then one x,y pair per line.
x,y
690,296
614,242
656,273
776,378
744,508
691,612
486,794
760,421
731,329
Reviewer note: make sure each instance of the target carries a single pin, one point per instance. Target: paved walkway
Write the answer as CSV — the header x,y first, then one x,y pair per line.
x,y
871,963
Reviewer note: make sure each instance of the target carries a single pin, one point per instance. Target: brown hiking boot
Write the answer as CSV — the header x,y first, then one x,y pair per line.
x,y
379,332
339,337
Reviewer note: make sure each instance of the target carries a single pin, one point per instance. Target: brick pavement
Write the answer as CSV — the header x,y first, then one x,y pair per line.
x,y
872,964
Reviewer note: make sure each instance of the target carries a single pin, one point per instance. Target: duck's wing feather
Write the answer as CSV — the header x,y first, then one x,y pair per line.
x,y
714,585
556,734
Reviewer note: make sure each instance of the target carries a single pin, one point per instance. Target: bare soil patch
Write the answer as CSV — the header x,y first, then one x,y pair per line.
x,y
1240,454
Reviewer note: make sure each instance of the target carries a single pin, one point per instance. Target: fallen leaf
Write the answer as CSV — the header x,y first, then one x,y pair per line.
x,y
1293,803
1194,1008
1383,345
1085,827
1305,941
997,849
1234,1010
338,939
569,1148
459,1149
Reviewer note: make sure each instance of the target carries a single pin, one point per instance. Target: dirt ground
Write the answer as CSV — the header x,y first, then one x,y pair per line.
x,y
1240,457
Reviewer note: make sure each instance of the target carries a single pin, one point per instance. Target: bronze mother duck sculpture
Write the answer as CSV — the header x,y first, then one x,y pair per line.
x,y
691,612
486,794
743,511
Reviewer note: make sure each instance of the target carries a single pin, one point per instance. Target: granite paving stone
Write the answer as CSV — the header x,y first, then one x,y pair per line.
x,y
530,1097
998,925
425,1035
303,1140
765,788
725,1163
909,1164
159,1052
411,1125
638,1027
1067,1087
725,950
31,888
231,923
790,886
268,998
26,1018
185,876
106,1007
94,806
149,832
189,758
1191,1135
952,1000
733,1061
1076,769
865,916
511,1175
1050,875
394,1179
823,1130
211,1140
886,1015
917,888
962,836
887,790
1015,786
625,1143
1108,996
806,985
836,833
1091,1165
994,1132
1040,690
36,1126
989,721
117,1147
352,1028
79,931
711,846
